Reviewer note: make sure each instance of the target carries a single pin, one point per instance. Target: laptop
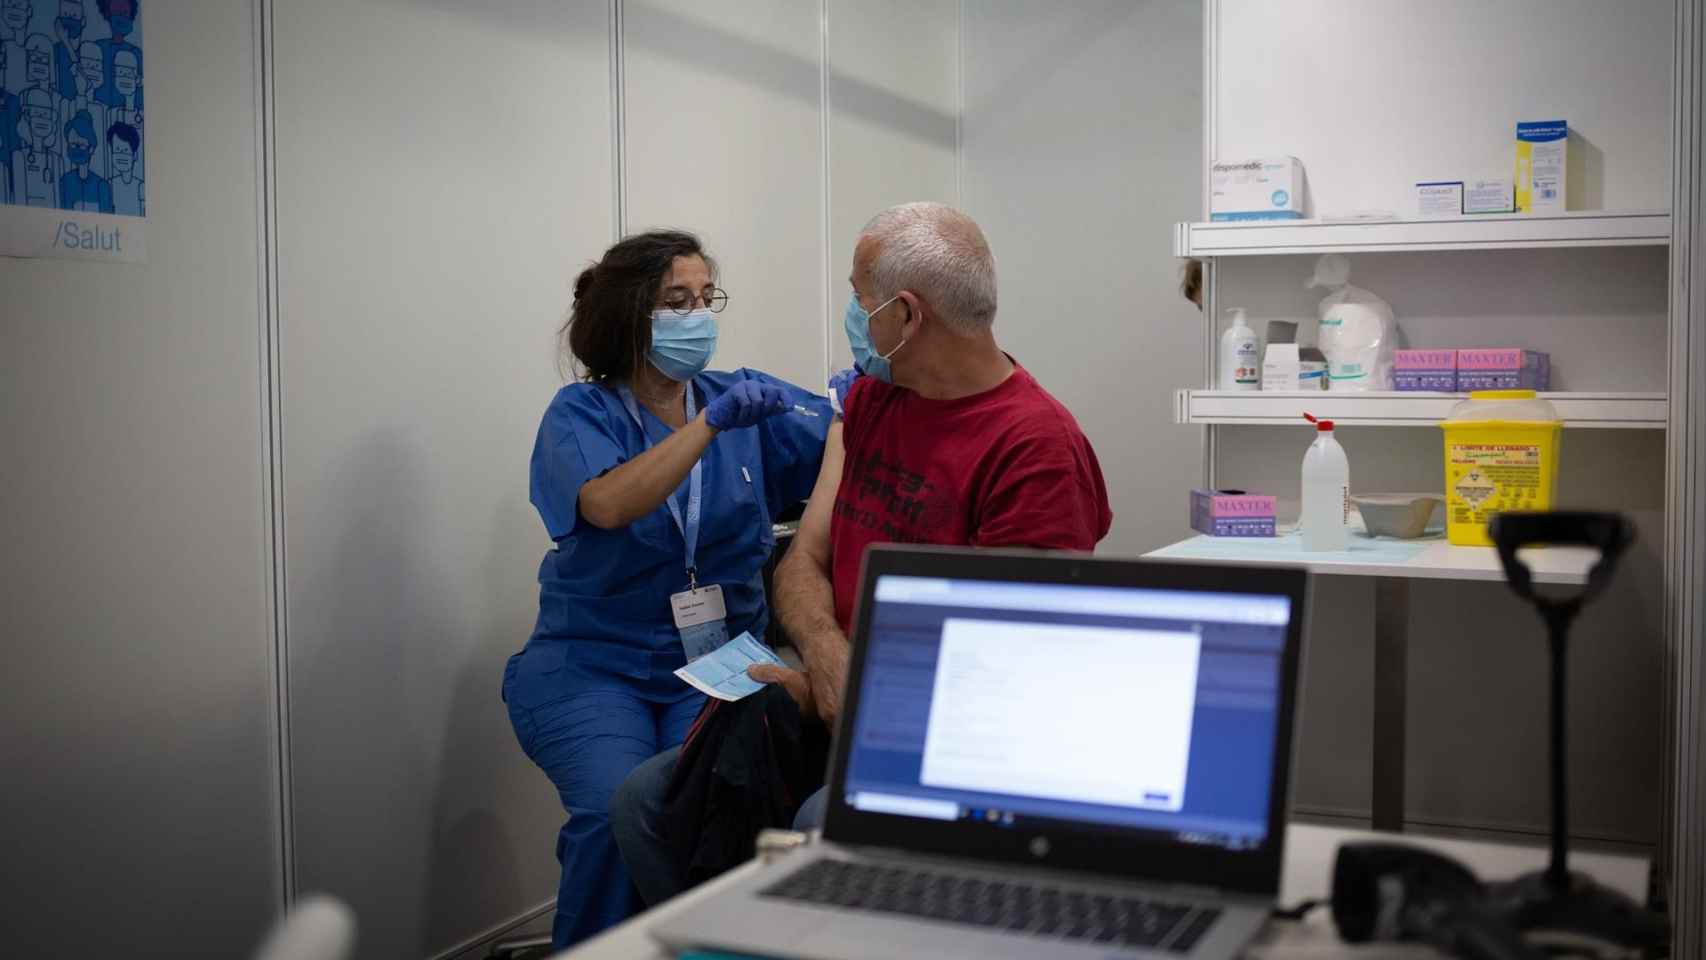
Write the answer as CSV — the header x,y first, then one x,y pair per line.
x,y
1041,755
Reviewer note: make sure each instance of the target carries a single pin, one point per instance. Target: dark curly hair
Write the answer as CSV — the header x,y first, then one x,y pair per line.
x,y
609,328
1190,283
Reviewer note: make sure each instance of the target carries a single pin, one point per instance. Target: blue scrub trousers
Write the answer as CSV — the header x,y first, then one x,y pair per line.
x,y
588,742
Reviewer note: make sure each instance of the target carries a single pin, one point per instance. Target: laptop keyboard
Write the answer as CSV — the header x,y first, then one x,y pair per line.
x,y
1006,906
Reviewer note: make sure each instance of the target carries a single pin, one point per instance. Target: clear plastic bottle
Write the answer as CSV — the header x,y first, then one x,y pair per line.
x,y
1326,491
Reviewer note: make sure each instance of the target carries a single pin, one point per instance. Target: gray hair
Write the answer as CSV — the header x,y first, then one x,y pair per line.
x,y
938,253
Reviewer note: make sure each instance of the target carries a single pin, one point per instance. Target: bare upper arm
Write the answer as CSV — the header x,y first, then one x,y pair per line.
x,y
812,540
596,503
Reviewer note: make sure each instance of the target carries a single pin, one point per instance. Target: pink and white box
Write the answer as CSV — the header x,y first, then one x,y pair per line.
x,y
1424,370
1232,513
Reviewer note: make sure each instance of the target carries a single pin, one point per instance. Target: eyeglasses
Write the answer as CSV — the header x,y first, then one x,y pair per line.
x,y
684,303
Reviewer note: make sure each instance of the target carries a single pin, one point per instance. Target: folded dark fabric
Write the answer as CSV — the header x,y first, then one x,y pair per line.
x,y
747,766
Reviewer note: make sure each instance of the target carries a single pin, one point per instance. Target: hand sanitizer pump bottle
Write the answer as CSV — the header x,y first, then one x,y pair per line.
x,y
1240,355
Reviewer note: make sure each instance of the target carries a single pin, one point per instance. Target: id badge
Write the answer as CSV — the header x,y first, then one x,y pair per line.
x,y
700,619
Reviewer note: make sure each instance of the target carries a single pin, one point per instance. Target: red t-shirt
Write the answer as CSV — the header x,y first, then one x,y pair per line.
x,y
1004,468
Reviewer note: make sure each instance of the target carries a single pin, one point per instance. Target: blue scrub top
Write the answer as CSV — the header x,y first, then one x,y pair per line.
x,y
604,594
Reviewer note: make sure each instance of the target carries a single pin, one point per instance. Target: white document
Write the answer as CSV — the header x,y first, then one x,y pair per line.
x,y
1087,714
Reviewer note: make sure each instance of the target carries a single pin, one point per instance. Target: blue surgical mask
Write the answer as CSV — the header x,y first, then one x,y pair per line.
x,y
865,356
682,345
73,27
123,26
78,154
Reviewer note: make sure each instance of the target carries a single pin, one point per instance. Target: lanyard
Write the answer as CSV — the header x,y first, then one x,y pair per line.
x,y
689,526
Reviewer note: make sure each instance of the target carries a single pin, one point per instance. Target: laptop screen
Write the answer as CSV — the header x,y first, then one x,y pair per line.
x,y
1026,704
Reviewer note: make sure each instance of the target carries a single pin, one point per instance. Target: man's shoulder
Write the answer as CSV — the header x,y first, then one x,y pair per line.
x,y
1020,408
867,394
1034,414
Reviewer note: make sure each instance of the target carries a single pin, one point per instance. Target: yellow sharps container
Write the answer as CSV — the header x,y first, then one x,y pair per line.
x,y
1501,454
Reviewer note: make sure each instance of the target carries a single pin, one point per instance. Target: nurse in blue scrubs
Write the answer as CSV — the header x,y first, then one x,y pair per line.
x,y
657,481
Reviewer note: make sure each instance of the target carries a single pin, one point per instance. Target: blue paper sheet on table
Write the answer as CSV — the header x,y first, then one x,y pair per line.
x,y
722,672
1288,547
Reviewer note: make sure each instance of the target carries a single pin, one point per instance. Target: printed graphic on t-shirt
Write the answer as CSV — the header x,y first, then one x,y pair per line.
x,y
897,503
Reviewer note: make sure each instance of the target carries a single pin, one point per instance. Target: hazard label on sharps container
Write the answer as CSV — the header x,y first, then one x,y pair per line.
x,y
1475,489
1487,478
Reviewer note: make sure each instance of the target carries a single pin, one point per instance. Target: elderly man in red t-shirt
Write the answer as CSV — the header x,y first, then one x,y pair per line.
x,y
947,440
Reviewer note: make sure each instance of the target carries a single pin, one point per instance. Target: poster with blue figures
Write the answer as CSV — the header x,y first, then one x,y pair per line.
x,y
73,137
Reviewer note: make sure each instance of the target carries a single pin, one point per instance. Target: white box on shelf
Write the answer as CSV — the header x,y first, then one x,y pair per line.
x,y
1282,367
1489,196
1439,198
1269,188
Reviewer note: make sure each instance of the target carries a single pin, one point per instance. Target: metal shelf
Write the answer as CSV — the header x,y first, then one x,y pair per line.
x,y
1486,232
1642,411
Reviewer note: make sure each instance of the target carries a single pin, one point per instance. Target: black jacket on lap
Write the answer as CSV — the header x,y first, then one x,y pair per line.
x,y
747,766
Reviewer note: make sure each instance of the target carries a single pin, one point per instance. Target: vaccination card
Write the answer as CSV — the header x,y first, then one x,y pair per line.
x,y
722,672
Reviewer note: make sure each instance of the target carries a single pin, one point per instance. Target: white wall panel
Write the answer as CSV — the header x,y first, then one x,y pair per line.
x,y
893,124
141,804
722,104
444,170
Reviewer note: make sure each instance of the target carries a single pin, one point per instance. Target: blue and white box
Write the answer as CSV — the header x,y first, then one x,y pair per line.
x,y
1542,166
1270,188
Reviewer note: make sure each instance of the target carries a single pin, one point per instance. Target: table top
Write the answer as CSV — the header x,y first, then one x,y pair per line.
x,y
1307,874
1431,558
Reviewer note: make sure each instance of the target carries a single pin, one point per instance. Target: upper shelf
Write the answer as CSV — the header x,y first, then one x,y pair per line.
x,y
1625,410
1484,232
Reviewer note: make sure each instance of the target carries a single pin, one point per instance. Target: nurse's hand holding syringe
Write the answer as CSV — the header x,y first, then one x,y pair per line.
x,y
636,488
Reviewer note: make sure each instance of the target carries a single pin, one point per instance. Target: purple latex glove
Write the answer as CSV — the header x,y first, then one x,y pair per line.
x,y
746,403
